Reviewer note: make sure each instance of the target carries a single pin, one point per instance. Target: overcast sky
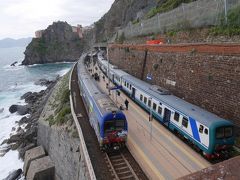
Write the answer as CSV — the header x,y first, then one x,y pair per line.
x,y
21,18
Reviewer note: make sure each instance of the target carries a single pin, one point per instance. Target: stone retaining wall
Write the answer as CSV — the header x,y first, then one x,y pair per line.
x,y
207,75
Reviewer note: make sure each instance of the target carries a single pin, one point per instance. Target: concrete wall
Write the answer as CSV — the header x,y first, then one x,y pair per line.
x,y
64,152
205,75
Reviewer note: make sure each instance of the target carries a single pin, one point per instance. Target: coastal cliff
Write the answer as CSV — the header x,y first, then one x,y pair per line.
x,y
57,44
120,14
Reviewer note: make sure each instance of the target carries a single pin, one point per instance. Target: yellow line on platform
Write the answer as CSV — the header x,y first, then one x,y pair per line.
x,y
184,151
143,156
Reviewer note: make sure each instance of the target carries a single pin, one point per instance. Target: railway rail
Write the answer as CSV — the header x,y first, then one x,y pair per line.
x,y
120,167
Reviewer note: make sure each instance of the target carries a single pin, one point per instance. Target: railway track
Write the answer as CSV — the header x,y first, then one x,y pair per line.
x,y
120,167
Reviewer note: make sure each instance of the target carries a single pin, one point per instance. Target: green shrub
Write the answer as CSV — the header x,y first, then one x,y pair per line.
x,y
231,27
121,38
61,116
65,96
41,46
167,5
51,120
135,21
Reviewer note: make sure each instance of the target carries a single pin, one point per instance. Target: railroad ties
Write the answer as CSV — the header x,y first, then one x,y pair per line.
x,y
120,167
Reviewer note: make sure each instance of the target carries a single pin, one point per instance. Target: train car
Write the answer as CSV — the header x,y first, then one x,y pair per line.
x,y
207,132
109,123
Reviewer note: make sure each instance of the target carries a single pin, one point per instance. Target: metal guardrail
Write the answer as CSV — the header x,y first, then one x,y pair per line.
x,y
80,133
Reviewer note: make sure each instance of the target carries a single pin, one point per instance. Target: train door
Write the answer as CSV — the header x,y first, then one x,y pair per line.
x,y
133,93
167,116
113,79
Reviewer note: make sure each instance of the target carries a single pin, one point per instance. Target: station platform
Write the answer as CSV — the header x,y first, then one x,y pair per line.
x,y
160,153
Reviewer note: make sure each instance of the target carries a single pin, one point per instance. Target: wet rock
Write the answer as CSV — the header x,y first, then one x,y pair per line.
x,y
15,146
14,138
14,63
4,142
27,94
4,150
23,120
21,110
14,175
18,129
31,98
43,82
13,109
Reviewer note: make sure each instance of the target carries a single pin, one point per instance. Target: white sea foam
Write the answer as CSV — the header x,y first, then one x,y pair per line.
x,y
8,163
13,68
14,82
7,121
63,72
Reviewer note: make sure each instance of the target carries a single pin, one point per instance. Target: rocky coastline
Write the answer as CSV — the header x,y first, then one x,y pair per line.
x,y
24,137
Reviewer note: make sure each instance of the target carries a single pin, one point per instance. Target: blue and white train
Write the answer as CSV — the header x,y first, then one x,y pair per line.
x,y
210,134
109,123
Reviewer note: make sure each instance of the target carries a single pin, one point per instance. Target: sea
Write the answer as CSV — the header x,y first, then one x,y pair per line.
x,y
14,82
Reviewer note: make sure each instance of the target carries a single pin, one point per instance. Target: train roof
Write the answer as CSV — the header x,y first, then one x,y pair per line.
x,y
104,103
163,95
178,104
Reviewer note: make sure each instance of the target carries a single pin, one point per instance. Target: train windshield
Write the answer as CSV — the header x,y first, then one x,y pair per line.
x,y
224,132
114,125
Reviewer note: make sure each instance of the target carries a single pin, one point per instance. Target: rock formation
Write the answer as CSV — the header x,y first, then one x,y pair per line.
x,y
57,44
121,13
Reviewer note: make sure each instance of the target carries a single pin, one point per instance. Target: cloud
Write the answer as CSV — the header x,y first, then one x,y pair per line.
x,y
23,18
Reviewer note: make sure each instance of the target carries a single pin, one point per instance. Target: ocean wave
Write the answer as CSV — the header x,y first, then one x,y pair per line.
x,y
55,63
23,88
13,162
17,67
63,72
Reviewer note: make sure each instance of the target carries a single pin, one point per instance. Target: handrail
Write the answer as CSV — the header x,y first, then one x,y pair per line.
x,y
80,133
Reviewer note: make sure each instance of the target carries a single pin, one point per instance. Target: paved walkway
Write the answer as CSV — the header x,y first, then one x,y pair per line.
x,y
159,152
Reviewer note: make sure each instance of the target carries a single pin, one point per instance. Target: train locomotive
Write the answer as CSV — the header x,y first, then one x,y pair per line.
x,y
205,131
109,123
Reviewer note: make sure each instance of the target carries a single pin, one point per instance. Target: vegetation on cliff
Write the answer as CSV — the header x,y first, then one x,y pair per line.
x,y
121,13
57,111
57,44
231,27
166,5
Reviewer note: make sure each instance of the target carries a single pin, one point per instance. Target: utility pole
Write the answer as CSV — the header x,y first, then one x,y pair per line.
x,y
108,74
150,117
225,10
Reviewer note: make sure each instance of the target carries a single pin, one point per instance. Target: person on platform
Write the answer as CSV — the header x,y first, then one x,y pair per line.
x,y
126,104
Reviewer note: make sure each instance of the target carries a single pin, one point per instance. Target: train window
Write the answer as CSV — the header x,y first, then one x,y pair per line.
x,y
141,97
113,125
154,106
125,84
228,132
130,87
109,126
206,131
120,124
145,100
176,116
220,133
149,103
200,129
185,122
159,110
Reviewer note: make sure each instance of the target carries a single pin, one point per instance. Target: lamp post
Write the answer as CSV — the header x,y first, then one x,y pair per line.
x,y
150,117
108,74
225,11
